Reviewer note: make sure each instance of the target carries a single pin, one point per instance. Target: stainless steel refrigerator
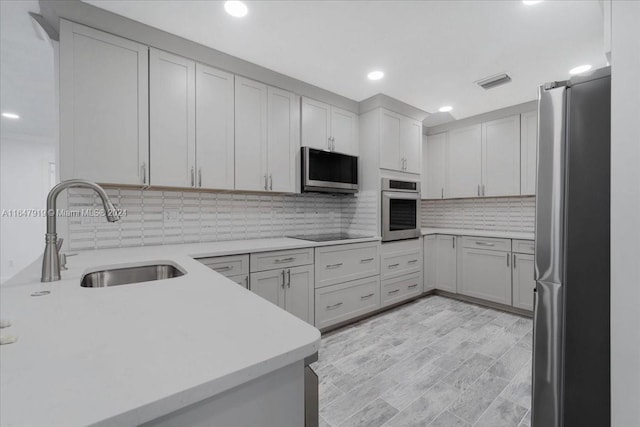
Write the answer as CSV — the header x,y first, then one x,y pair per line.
x,y
571,361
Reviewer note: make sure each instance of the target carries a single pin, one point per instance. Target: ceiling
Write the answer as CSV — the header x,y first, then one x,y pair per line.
x,y
27,76
431,51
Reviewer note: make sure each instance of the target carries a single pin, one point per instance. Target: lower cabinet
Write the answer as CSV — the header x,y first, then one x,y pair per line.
x,y
400,289
523,281
242,280
486,274
288,288
446,260
429,262
344,301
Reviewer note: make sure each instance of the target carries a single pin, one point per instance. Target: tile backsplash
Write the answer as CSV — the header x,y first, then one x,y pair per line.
x,y
488,213
168,217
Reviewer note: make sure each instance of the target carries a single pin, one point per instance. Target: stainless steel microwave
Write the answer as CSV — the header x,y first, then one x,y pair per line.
x,y
328,171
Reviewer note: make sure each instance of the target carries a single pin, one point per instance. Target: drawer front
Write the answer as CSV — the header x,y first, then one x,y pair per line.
x,y
263,261
400,263
486,275
229,266
242,280
343,263
338,303
400,288
489,243
523,246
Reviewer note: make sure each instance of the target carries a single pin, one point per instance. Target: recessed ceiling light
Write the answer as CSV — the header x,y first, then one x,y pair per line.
x,y
580,69
375,75
10,115
445,109
236,9
531,2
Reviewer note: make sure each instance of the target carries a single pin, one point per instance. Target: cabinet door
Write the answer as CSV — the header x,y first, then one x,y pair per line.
x,y
486,275
430,263
172,119
528,152
251,135
299,292
446,261
104,102
390,140
344,130
464,161
523,281
434,161
214,128
283,139
411,144
269,285
316,124
501,157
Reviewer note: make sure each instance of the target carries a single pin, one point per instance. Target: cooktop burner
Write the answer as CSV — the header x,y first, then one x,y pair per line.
x,y
328,237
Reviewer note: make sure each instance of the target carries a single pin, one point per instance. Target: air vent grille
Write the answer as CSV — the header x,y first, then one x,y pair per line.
x,y
493,81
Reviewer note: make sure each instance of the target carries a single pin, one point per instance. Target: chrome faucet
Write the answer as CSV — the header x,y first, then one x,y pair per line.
x,y
51,257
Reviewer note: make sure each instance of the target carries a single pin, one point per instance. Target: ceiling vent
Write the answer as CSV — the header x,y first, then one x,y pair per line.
x,y
493,81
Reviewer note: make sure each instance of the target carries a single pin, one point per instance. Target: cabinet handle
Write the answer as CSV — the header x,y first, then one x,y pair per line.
x,y
453,241
329,266
143,172
392,266
412,286
393,291
483,189
412,261
333,143
485,244
265,181
224,268
283,279
329,144
508,256
367,296
478,190
288,278
442,192
514,260
280,260
270,182
193,177
364,261
336,305
200,177
246,282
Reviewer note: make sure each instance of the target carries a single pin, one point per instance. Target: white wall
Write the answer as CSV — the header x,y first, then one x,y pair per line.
x,y
625,214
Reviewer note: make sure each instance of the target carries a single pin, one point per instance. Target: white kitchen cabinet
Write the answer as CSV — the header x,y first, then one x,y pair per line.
x,y
411,145
501,157
430,263
398,289
172,123
283,139
446,263
342,263
327,127
344,301
486,274
523,281
434,161
104,127
269,285
251,135
528,152
464,166
400,142
214,128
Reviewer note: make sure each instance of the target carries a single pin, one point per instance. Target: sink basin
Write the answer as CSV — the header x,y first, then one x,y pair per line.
x,y
129,275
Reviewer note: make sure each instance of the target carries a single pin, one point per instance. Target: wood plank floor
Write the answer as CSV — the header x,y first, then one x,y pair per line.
x,y
433,362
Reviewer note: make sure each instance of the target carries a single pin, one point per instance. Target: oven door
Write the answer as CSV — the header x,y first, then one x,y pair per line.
x,y
400,215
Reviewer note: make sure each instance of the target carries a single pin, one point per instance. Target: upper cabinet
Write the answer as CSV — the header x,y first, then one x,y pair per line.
x,y
400,142
464,167
103,107
326,127
283,139
501,157
434,159
528,152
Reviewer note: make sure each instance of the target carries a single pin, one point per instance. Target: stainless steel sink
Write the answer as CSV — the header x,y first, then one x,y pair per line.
x,y
128,275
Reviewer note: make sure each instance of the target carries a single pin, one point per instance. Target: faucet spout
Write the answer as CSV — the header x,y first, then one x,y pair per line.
x,y
51,258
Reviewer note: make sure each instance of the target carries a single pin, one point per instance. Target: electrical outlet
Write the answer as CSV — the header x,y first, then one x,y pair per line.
x,y
171,215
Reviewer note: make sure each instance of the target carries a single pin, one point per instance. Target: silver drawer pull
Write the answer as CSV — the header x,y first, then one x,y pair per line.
x,y
333,265
367,296
393,265
485,244
412,261
393,291
412,286
224,268
280,260
336,305
362,261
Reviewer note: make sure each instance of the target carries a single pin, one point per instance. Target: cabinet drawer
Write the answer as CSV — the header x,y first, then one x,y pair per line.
x,y
263,261
400,288
400,263
523,246
489,243
337,264
338,303
233,265
242,280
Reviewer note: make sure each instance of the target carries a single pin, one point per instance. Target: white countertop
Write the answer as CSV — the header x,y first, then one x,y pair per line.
x,y
128,354
478,233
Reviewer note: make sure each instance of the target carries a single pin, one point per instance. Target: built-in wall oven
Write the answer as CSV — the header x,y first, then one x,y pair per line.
x,y
400,209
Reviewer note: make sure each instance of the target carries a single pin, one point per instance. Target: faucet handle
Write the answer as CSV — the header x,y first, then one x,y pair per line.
x,y
59,243
63,260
